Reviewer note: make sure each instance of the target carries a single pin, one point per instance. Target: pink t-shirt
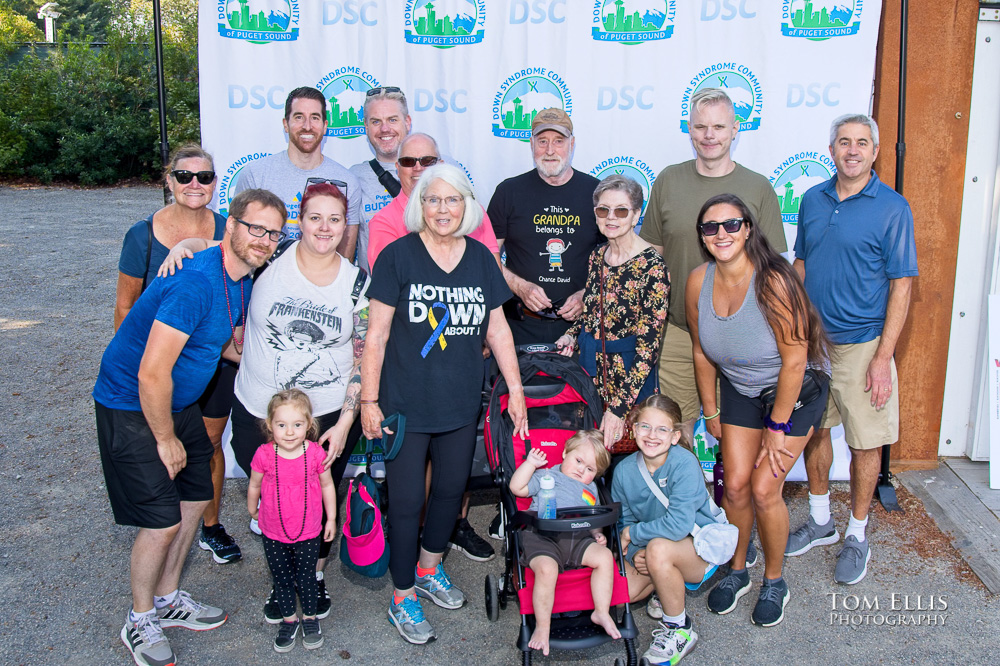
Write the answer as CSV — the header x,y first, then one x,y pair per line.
x,y
293,493
388,225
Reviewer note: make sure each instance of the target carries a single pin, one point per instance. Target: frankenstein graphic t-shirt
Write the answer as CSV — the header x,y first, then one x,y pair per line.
x,y
433,368
548,231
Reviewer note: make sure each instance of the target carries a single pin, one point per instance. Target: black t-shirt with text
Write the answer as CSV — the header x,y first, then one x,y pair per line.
x,y
548,231
433,368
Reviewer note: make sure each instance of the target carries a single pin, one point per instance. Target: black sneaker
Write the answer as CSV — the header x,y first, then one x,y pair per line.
x,y
312,635
496,527
323,603
770,608
216,539
723,597
465,540
272,612
285,639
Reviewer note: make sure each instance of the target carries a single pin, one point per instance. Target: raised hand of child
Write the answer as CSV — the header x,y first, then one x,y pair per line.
x,y
599,538
537,458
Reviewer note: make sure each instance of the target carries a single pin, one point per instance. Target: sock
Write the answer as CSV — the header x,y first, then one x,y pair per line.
x,y
134,617
774,581
166,600
426,572
742,573
319,575
676,620
819,508
856,528
396,599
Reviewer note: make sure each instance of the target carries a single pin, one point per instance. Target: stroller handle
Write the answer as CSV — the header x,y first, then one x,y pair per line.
x,y
571,519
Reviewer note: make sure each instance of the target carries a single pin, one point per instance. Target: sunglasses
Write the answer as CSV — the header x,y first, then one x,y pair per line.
x,y
319,181
410,162
603,211
185,177
732,225
382,89
258,231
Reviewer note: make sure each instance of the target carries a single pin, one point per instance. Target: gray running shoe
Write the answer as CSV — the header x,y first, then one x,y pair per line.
x,y
145,640
810,534
770,608
723,597
852,561
654,608
438,588
408,618
188,613
312,635
285,640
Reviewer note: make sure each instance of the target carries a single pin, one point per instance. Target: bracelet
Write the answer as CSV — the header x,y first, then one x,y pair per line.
x,y
715,415
778,427
368,402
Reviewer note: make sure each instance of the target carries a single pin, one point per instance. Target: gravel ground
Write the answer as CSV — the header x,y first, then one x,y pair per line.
x,y
64,563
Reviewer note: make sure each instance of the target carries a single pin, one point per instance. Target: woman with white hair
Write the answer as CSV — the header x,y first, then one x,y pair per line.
x,y
435,297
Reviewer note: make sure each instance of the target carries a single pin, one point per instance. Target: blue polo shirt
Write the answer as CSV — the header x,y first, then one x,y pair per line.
x,y
193,301
852,248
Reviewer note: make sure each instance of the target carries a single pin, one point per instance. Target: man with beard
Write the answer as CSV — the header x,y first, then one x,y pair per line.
x,y
287,172
544,219
155,451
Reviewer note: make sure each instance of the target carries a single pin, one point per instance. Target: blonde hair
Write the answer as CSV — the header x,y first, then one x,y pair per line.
x,y
596,440
300,401
668,408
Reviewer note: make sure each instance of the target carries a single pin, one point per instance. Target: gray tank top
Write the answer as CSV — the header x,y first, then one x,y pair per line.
x,y
742,345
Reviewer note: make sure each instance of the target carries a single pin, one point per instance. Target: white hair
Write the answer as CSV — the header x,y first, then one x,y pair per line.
x,y
860,119
452,175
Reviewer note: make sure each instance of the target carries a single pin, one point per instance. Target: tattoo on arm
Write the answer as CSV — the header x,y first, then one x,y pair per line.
x,y
360,331
353,389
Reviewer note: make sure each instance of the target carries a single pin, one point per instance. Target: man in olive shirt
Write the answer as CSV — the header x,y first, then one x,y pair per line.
x,y
674,202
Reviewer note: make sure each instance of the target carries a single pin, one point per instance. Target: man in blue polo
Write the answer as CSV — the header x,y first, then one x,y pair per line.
x,y
856,253
155,451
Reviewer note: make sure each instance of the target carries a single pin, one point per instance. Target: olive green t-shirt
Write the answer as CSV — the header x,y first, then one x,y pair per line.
x,y
674,201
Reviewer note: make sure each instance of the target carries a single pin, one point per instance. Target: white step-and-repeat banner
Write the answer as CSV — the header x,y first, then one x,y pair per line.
x,y
475,72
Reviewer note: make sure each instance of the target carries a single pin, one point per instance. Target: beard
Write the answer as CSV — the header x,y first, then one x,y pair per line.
x,y
550,169
244,246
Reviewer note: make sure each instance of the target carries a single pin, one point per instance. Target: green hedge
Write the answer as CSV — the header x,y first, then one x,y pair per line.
x,y
89,115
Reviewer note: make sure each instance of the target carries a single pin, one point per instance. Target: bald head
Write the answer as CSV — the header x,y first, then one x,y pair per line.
x,y
416,146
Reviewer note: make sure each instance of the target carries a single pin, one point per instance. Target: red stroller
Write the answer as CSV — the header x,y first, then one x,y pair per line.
x,y
561,399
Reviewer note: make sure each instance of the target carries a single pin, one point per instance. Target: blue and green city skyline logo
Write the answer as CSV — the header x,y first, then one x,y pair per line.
x,y
794,176
818,20
444,24
345,89
522,95
739,82
259,21
227,181
633,21
630,167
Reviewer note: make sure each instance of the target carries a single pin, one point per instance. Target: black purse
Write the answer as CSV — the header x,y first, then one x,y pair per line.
x,y
812,386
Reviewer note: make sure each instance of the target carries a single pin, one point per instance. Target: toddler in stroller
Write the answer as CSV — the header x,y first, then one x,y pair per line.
x,y
549,554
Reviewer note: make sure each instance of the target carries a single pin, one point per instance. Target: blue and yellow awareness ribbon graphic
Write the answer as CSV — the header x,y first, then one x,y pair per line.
x,y
438,334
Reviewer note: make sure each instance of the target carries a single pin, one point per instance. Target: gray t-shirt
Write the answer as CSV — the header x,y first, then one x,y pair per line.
x,y
569,491
373,198
277,174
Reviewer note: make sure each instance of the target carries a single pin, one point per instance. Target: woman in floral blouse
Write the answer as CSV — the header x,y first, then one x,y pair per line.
x,y
624,307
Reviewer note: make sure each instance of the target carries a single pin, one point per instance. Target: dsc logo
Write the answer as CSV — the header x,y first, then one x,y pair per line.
x,y
350,12
537,11
240,96
727,10
439,100
812,94
624,98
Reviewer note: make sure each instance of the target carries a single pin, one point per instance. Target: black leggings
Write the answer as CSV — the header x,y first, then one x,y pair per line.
x,y
451,460
291,564
248,435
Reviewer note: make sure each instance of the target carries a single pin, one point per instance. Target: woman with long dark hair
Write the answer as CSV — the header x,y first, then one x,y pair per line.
x,y
750,318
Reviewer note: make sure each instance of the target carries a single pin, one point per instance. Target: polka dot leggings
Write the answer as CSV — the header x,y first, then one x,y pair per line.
x,y
291,564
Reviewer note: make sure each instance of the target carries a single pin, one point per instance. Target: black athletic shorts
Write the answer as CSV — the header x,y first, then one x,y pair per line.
x,y
739,410
141,492
217,400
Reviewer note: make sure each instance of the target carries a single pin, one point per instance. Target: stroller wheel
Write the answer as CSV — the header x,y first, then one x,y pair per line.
x,y
492,598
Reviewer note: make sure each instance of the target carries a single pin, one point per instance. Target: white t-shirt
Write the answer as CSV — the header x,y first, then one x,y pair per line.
x,y
299,335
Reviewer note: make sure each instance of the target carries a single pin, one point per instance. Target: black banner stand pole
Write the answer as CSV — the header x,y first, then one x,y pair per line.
x,y
161,94
886,493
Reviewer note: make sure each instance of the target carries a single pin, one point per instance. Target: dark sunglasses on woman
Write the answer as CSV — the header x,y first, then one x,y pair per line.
x,y
732,225
184,177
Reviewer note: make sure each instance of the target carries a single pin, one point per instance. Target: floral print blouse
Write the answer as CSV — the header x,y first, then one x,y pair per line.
x,y
636,295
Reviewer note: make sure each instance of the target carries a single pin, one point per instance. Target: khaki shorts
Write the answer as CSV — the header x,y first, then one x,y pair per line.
x,y
677,371
849,403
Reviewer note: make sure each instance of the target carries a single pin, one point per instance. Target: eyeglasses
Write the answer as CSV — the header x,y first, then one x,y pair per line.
x,y
184,177
410,162
603,211
258,231
450,202
319,181
644,429
382,89
732,225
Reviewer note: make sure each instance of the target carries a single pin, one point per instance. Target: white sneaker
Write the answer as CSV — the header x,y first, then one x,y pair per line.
x,y
145,640
671,643
254,527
